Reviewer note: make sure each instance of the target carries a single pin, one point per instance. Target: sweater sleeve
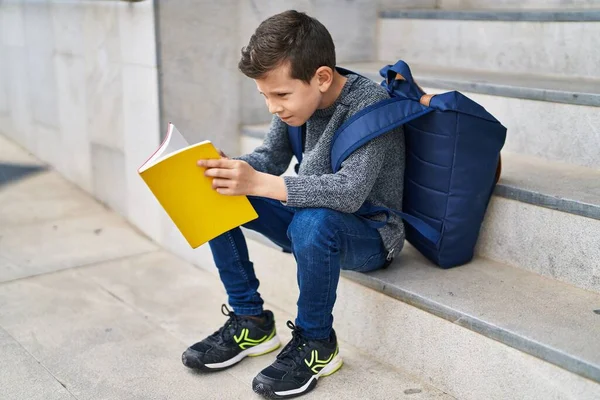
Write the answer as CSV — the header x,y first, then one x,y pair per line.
x,y
274,155
347,189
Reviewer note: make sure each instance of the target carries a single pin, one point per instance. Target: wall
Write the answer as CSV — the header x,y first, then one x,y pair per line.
x,y
199,79
78,88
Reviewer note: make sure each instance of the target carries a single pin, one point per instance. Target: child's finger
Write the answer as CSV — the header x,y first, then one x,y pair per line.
x,y
220,183
226,191
213,163
219,173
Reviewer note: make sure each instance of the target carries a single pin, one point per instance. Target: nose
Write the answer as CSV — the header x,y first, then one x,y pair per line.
x,y
273,107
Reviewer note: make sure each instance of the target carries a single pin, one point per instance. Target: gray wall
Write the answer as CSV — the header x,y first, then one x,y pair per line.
x,y
198,47
78,89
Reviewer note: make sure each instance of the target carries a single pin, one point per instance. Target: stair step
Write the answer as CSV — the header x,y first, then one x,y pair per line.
x,y
538,209
169,300
513,5
565,90
537,206
549,204
475,297
557,15
483,321
545,217
563,187
496,41
554,118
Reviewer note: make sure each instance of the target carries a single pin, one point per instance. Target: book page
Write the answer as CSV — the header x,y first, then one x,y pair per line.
x,y
176,142
172,143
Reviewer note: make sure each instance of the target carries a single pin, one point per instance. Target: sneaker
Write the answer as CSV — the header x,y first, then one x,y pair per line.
x,y
238,338
298,366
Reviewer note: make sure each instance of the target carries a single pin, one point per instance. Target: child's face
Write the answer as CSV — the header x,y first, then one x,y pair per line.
x,y
294,101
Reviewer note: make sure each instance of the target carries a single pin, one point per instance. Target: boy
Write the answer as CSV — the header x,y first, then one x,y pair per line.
x,y
291,57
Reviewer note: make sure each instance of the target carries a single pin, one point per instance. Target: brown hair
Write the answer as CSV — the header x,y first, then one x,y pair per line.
x,y
290,36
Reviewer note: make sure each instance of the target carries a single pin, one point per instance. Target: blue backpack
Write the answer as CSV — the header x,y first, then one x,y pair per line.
x,y
452,162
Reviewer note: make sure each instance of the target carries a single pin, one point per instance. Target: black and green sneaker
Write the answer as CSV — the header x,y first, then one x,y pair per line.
x,y
298,366
238,338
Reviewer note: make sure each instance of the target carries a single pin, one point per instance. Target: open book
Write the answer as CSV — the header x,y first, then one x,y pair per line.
x,y
179,185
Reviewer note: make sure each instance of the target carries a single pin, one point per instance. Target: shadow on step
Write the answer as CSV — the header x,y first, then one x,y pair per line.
x,y
10,173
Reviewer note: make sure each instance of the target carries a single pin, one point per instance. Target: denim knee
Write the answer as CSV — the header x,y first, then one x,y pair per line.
x,y
311,226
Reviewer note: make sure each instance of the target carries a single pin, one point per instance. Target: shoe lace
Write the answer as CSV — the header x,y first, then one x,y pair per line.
x,y
226,332
293,352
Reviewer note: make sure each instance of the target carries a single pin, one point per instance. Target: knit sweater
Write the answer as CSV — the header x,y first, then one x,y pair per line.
x,y
373,173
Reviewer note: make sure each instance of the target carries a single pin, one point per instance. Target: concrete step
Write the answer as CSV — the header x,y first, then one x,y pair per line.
x,y
136,316
101,312
146,285
555,42
481,331
538,203
488,4
563,90
545,217
134,313
554,118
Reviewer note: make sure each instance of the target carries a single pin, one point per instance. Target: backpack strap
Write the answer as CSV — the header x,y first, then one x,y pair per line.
x,y
366,125
371,122
297,136
424,229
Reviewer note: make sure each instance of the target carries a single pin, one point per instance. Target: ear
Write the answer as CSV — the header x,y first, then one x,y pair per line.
x,y
324,77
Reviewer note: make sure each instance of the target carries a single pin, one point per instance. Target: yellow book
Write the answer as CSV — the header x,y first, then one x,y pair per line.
x,y
179,185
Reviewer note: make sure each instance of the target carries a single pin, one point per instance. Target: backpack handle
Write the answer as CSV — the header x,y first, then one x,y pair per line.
x,y
401,68
399,76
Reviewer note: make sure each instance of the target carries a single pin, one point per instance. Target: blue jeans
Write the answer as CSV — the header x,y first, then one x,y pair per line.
x,y
322,240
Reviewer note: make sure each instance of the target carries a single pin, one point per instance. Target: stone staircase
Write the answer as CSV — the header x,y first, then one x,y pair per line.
x,y
522,321
92,309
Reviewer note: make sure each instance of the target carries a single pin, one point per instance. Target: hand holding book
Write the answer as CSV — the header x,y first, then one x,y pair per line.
x,y
238,178
231,177
187,195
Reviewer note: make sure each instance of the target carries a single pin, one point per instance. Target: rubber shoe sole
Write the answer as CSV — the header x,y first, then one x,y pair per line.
x,y
191,358
266,390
